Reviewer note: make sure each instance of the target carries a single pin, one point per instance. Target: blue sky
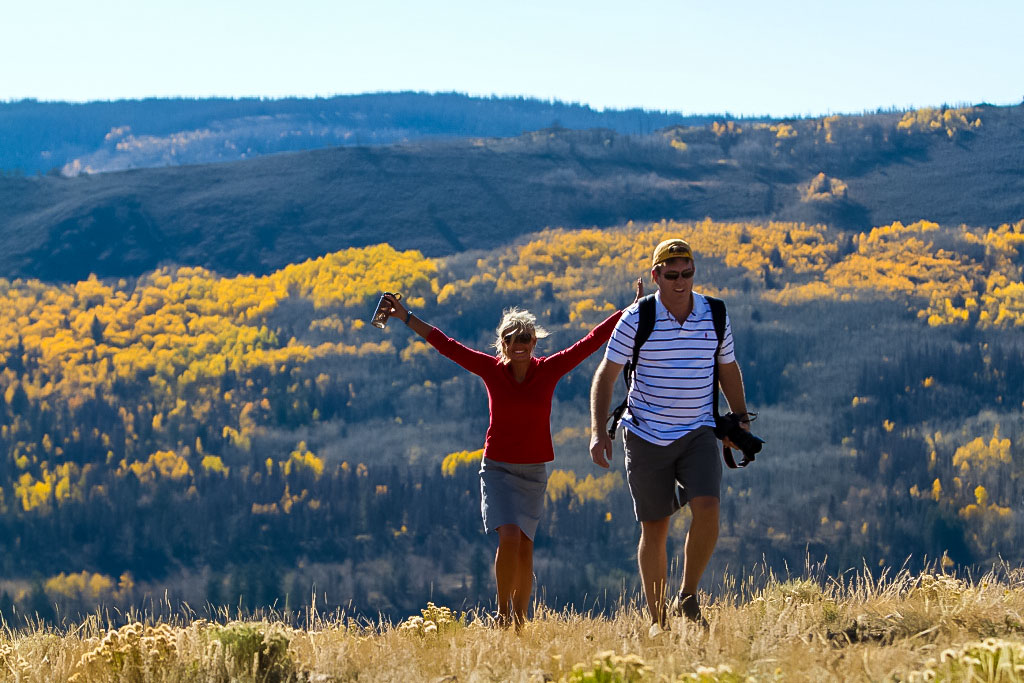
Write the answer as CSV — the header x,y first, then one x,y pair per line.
x,y
780,58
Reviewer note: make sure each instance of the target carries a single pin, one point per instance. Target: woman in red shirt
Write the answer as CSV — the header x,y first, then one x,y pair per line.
x,y
513,471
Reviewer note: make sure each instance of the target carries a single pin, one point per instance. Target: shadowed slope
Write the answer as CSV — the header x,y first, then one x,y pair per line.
x,y
445,197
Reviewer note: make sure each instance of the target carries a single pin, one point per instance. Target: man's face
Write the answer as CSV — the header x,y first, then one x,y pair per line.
x,y
674,279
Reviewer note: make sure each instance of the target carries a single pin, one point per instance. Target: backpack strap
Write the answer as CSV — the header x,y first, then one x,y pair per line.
x,y
648,313
645,325
718,318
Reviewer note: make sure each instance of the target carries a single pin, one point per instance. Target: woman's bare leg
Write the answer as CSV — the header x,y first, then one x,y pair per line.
x,y
524,579
506,568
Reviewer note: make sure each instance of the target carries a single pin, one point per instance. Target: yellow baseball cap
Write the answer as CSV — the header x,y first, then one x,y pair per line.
x,y
670,249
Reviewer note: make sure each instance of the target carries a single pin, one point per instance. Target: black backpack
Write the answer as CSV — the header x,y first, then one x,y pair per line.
x,y
648,312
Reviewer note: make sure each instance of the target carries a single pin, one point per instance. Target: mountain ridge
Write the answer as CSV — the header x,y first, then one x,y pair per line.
x,y
70,138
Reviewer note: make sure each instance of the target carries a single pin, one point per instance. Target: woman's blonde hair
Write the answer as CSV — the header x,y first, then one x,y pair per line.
x,y
516,321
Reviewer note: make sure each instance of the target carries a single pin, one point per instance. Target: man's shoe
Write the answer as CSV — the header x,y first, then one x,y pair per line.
x,y
686,605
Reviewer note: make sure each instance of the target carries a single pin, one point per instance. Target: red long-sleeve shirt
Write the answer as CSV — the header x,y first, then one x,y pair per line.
x,y
520,420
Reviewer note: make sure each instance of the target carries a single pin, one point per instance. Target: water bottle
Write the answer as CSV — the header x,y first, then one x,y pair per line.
x,y
384,307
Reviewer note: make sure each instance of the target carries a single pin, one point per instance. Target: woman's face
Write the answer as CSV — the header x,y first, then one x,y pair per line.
x,y
519,345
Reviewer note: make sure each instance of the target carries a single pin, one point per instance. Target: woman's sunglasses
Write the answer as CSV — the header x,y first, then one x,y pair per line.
x,y
521,338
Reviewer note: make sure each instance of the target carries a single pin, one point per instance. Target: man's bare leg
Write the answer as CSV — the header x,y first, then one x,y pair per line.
x,y
700,541
653,561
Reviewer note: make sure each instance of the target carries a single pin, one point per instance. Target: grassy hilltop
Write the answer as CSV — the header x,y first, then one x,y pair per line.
x,y
904,627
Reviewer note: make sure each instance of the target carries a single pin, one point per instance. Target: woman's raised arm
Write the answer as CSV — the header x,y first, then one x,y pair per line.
x,y
476,362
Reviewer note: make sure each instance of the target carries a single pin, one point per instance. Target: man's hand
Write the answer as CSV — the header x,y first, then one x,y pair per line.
x,y
727,442
601,448
600,400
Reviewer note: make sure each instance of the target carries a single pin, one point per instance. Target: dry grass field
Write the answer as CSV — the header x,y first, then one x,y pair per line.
x,y
902,627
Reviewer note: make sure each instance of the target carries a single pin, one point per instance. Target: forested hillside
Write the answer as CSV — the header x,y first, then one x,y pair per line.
x,y
242,439
445,197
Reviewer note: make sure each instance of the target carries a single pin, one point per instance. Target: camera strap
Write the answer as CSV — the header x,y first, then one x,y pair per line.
x,y
718,318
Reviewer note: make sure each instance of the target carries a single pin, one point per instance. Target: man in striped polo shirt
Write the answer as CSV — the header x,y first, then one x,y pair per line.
x,y
668,425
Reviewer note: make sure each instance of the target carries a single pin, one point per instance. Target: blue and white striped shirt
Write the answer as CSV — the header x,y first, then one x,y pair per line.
x,y
671,394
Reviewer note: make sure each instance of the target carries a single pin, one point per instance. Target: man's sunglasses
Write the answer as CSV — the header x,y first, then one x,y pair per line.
x,y
675,275
521,338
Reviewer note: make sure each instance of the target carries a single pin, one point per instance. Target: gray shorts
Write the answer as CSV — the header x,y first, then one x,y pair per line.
x,y
512,493
652,472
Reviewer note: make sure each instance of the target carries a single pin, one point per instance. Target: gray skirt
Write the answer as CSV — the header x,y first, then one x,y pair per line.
x,y
512,493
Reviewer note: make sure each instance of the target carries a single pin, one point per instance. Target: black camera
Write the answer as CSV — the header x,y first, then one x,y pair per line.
x,y
730,427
